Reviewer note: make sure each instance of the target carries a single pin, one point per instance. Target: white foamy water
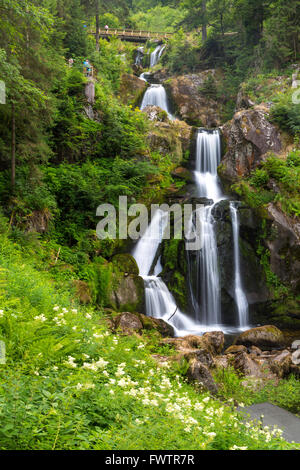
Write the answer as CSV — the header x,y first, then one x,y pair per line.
x,y
156,95
240,297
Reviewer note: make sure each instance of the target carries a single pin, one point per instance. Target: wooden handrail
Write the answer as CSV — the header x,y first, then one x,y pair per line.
x,y
140,33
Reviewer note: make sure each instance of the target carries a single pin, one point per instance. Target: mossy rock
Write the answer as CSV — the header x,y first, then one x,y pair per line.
x,y
126,293
125,263
268,336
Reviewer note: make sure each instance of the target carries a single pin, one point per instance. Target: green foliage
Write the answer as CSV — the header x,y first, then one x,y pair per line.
x,y
160,18
287,116
69,383
209,87
181,55
80,189
259,178
286,173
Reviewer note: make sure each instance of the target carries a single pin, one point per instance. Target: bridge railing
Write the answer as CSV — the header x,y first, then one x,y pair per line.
x,y
134,33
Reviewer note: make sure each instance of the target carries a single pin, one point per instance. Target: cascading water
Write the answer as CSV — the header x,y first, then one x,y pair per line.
x,y
208,158
205,292
156,55
156,95
159,300
139,56
204,278
240,298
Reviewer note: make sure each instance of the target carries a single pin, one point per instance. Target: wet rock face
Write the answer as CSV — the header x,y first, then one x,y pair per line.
x,y
249,136
284,247
251,270
263,337
194,106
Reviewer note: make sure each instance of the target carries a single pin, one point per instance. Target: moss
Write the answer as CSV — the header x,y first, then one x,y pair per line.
x,y
125,263
175,270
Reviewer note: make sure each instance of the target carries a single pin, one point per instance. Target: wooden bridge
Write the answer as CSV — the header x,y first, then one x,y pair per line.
x,y
132,35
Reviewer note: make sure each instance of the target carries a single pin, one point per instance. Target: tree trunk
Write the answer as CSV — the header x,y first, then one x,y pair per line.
x,y
204,26
13,146
97,25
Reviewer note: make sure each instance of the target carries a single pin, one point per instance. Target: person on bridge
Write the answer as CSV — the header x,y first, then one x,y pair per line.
x,y
106,28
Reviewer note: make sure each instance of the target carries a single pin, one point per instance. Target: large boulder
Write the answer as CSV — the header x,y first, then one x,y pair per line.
x,y
199,373
128,323
170,138
249,137
164,328
246,365
193,104
263,337
127,293
155,113
281,363
214,341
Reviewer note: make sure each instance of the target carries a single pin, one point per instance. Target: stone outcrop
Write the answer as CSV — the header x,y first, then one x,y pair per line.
x,y
131,89
263,337
249,137
170,138
192,104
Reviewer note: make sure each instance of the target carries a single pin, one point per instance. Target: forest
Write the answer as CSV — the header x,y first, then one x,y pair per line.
x,y
110,343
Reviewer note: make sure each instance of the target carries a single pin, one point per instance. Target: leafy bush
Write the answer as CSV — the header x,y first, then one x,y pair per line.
x,y
286,114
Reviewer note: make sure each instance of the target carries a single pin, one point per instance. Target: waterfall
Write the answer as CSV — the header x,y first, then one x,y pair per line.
x,y
205,291
156,55
240,298
156,95
203,266
208,158
139,56
159,301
